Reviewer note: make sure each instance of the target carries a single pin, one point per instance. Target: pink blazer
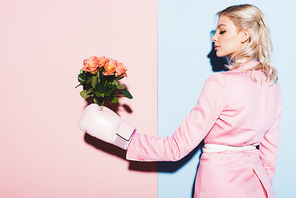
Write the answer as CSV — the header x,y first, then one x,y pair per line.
x,y
232,110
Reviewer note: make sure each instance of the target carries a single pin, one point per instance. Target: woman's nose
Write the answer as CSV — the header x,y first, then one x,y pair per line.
x,y
214,38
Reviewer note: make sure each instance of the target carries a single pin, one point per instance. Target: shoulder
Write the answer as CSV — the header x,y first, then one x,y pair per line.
x,y
214,91
215,83
216,78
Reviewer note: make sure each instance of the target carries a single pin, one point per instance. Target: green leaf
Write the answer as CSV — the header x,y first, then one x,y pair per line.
x,y
82,78
100,101
109,92
111,86
114,100
101,88
99,94
120,86
96,101
99,78
89,80
94,81
90,90
83,94
115,82
127,93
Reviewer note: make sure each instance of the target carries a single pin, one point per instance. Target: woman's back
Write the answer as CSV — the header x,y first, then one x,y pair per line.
x,y
251,109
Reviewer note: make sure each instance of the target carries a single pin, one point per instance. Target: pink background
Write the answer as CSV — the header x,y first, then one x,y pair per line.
x,y
43,44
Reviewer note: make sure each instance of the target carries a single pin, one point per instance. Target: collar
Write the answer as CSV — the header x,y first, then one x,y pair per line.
x,y
249,64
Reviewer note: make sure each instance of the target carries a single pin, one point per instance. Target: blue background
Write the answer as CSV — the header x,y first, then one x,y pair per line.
x,y
184,32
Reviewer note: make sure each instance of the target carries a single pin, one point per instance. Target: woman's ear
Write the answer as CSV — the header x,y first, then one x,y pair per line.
x,y
245,36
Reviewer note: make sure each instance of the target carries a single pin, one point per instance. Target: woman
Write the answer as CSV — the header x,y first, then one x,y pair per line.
x,y
237,112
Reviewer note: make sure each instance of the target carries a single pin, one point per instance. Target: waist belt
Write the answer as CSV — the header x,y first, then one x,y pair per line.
x,y
212,148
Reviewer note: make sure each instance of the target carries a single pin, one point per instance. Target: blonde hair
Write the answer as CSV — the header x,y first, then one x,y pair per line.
x,y
249,17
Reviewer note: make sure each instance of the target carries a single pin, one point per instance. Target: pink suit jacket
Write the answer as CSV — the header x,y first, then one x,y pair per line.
x,y
232,110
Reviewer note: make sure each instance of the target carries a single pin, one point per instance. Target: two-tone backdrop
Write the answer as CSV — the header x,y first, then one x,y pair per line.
x,y
167,48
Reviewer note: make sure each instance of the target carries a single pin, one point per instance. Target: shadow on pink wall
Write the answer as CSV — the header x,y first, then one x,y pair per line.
x,y
118,152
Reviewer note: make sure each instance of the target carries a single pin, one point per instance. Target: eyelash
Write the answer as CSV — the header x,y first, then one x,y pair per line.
x,y
222,32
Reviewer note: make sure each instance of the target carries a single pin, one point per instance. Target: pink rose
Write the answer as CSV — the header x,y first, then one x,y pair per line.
x,y
110,67
90,65
102,61
120,70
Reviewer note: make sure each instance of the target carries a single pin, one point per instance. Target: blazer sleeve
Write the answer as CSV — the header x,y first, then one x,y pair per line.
x,y
190,133
270,144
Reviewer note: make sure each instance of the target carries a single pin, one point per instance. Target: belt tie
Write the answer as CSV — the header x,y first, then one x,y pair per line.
x,y
212,148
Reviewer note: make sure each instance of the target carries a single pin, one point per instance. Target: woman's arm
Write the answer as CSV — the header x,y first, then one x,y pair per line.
x,y
270,144
192,130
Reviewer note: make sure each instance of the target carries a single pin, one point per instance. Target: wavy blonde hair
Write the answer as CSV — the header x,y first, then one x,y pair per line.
x,y
249,17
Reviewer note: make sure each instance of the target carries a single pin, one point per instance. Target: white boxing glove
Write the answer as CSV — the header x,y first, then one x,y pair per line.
x,y
106,125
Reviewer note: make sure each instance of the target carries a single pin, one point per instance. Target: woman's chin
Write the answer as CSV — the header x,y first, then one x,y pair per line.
x,y
219,55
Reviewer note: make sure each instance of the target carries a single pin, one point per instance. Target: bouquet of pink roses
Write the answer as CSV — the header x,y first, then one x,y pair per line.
x,y
99,77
